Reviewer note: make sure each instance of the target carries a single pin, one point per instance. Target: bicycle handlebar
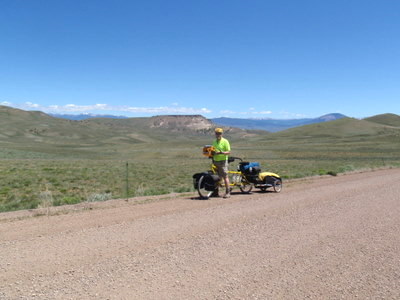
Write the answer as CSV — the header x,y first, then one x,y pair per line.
x,y
233,158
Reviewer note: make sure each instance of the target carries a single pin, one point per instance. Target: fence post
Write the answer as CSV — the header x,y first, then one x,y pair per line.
x,y
127,181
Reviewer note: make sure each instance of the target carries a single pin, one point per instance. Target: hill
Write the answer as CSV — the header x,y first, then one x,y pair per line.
x,y
271,125
274,125
192,124
33,126
385,119
345,127
38,132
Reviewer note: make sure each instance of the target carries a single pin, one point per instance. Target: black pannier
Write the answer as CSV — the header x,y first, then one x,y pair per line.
x,y
209,183
196,178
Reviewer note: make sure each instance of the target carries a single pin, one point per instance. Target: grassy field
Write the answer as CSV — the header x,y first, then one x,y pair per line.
x,y
70,162
151,169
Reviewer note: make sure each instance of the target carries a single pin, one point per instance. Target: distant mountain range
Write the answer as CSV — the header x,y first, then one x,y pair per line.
x,y
274,125
38,134
85,116
35,128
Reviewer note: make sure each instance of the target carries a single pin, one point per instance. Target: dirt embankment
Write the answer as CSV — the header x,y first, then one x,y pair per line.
x,y
328,238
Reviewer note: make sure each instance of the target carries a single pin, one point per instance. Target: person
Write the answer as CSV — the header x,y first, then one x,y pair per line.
x,y
220,158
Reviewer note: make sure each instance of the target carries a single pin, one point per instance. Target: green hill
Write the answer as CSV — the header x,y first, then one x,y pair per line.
x,y
385,119
38,133
342,128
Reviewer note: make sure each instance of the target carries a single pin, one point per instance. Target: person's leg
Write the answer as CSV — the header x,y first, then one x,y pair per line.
x,y
222,168
228,188
226,180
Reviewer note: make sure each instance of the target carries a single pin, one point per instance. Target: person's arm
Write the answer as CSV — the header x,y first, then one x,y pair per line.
x,y
227,149
223,152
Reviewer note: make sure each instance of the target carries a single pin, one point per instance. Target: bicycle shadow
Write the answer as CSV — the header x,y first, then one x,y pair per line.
x,y
233,194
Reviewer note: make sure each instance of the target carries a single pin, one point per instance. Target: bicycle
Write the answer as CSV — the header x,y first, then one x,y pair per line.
x,y
247,175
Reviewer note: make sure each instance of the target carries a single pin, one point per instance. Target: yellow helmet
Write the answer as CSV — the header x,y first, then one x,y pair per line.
x,y
219,130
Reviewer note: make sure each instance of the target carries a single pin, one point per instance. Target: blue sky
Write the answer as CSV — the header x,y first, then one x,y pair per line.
x,y
247,59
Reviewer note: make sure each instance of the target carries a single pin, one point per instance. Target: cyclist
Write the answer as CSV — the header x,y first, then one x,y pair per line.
x,y
220,158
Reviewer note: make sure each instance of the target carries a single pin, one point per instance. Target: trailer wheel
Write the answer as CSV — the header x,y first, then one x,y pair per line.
x,y
277,185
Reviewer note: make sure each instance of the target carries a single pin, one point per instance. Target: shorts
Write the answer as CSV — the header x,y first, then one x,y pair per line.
x,y
222,168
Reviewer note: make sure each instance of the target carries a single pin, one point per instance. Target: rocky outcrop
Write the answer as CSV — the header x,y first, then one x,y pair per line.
x,y
181,122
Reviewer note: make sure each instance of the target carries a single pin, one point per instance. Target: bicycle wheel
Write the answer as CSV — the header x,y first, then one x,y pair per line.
x,y
205,188
245,187
277,185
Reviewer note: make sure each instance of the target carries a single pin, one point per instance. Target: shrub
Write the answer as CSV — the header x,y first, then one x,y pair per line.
x,y
99,197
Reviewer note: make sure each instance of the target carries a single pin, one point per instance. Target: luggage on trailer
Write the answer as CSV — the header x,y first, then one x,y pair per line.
x,y
250,170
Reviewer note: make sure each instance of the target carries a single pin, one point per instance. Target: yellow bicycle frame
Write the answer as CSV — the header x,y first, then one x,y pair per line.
x,y
234,181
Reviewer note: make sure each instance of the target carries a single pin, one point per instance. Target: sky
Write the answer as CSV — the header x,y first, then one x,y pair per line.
x,y
233,58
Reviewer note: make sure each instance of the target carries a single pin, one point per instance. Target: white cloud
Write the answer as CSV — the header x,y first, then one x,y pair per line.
x,y
289,115
168,110
263,112
32,105
74,108
173,108
251,112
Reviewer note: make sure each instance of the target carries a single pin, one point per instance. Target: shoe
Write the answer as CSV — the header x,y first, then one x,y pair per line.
x,y
227,195
215,194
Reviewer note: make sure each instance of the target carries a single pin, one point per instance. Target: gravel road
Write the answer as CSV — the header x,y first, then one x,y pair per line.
x,y
322,238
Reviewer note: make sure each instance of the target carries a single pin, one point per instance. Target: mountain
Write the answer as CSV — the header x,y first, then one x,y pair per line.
x,y
173,123
85,116
34,134
38,126
36,131
274,125
181,122
30,127
271,125
341,128
385,119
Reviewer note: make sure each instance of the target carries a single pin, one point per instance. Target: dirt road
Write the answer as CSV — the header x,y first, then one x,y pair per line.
x,y
326,238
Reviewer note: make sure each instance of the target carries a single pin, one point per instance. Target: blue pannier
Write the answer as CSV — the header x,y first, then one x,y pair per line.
x,y
250,167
